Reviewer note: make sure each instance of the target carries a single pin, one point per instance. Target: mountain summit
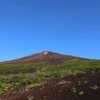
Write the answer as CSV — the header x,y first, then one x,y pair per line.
x,y
43,57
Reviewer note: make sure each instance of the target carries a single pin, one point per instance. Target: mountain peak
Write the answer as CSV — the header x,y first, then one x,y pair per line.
x,y
45,52
43,57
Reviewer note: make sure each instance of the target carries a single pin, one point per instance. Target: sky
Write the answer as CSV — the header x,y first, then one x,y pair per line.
x,y
65,26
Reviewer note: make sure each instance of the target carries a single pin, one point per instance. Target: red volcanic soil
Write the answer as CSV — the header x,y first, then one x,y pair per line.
x,y
44,57
74,87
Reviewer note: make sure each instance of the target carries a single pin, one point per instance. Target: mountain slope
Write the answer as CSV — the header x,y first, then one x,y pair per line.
x,y
43,57
73,78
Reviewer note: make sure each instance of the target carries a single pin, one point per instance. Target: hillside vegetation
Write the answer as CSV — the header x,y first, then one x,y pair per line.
x,y
17,76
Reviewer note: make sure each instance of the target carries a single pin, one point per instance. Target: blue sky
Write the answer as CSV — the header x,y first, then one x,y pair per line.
x,y
64,26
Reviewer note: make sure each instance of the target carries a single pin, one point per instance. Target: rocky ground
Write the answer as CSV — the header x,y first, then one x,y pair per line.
x,y
74,87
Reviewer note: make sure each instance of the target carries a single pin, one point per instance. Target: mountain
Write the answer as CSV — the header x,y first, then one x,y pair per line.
x,y
54,76
42,57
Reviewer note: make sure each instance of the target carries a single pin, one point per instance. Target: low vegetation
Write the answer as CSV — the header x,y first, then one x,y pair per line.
x,y
15,76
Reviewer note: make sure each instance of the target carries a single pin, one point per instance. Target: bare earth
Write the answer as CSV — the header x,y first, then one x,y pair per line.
x,y
73,87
